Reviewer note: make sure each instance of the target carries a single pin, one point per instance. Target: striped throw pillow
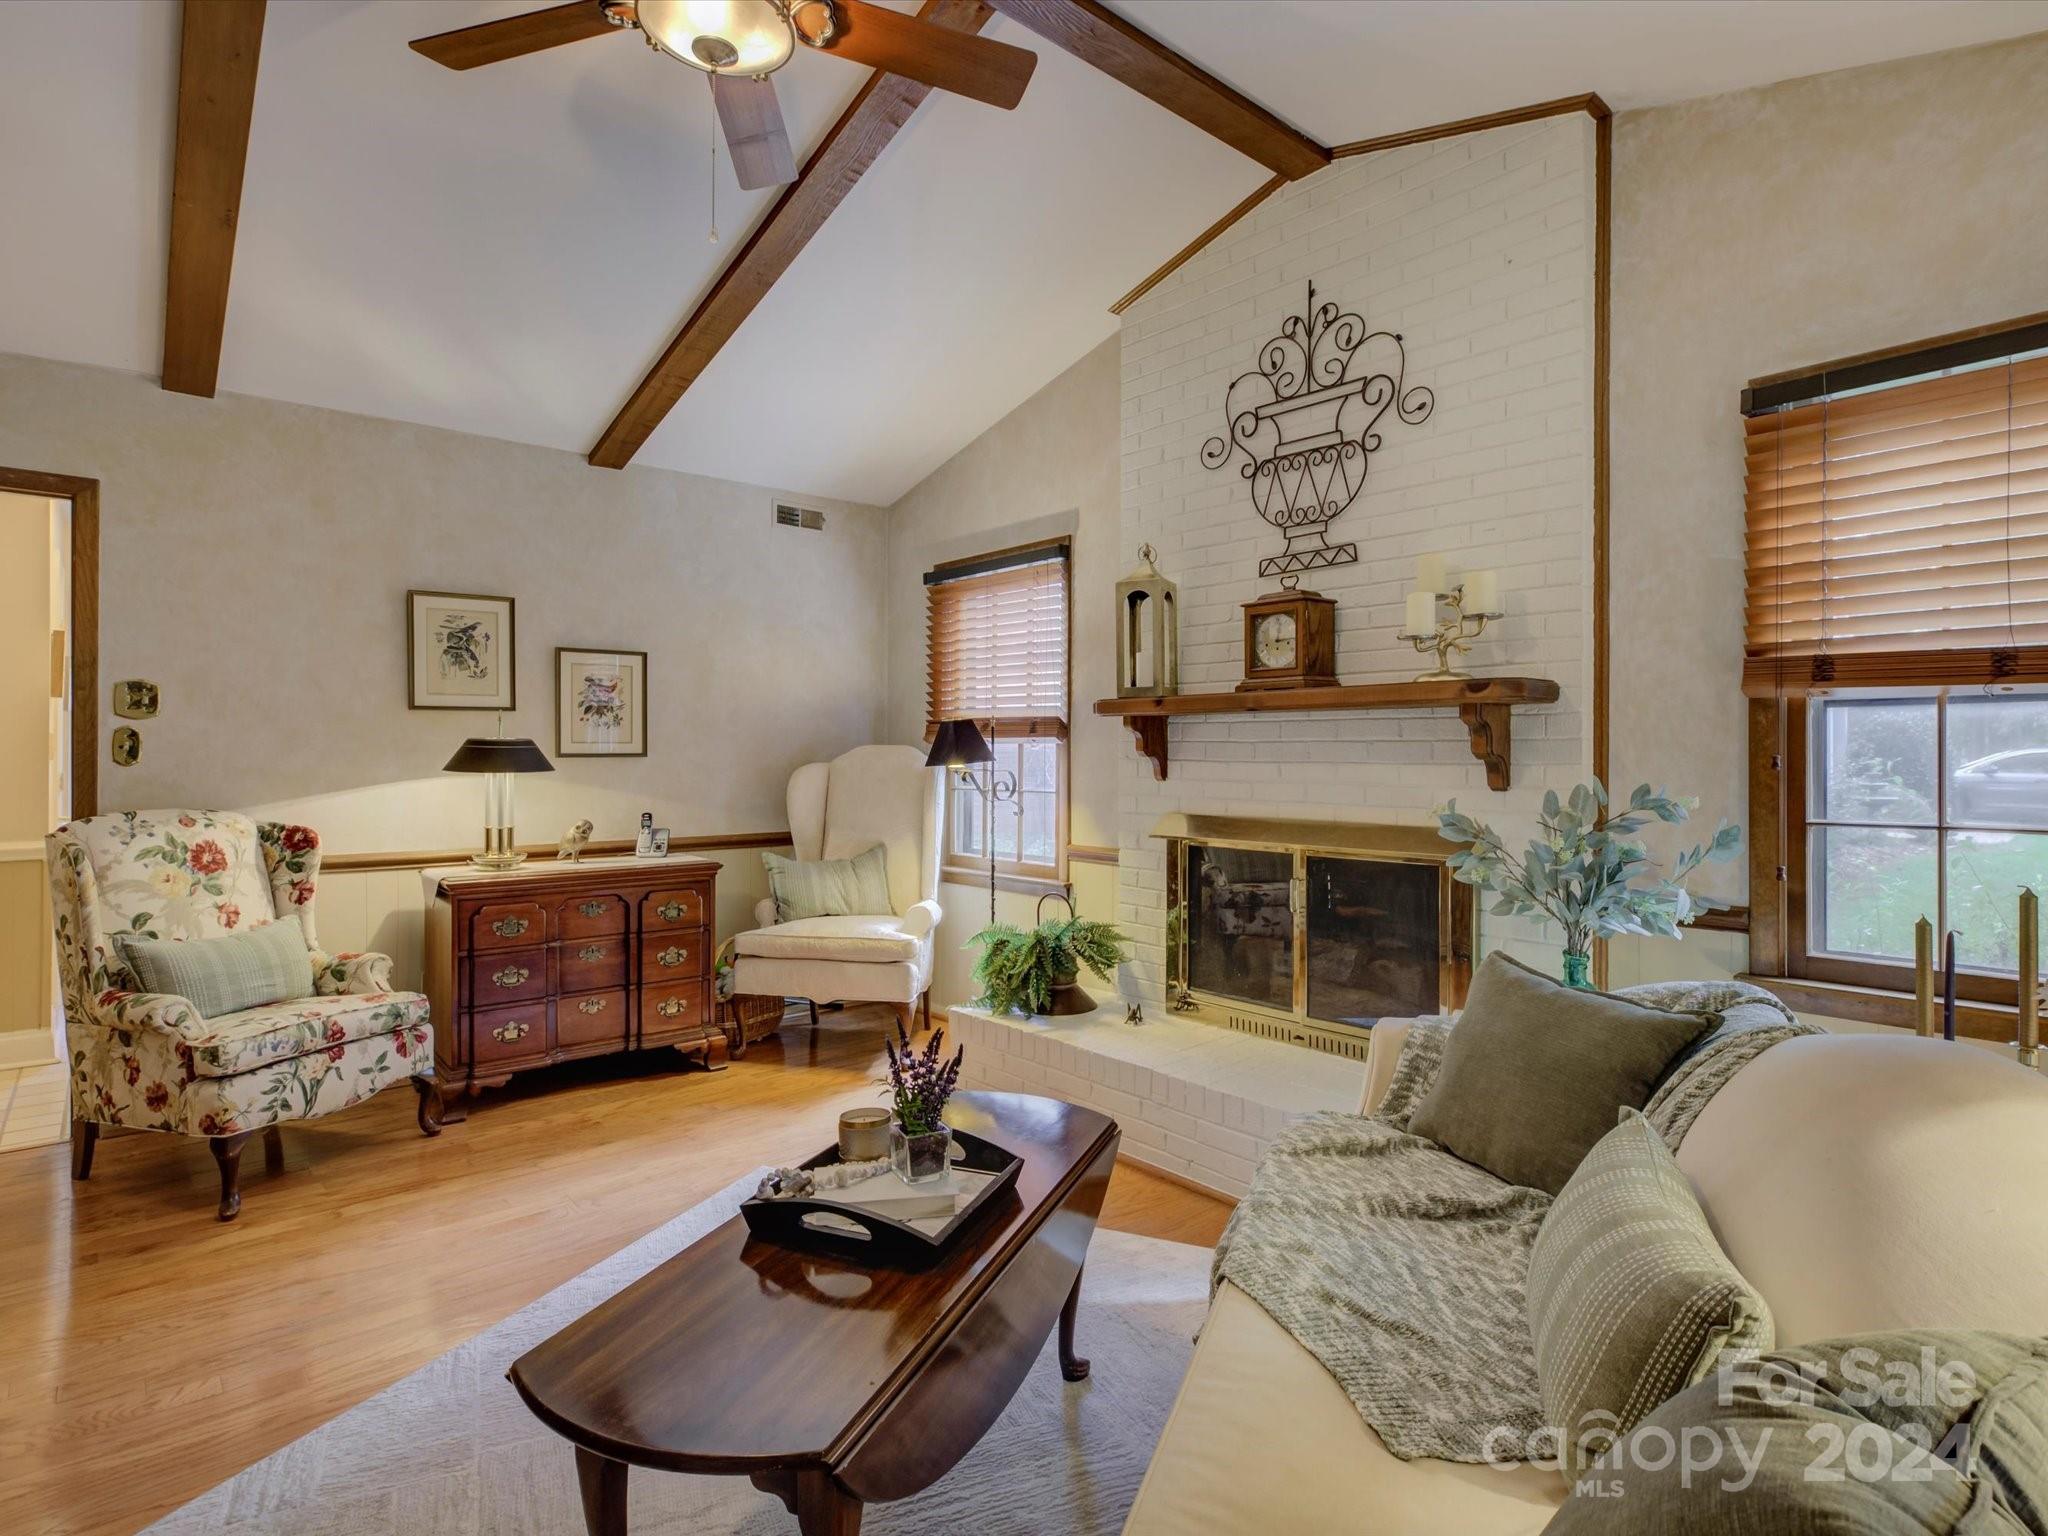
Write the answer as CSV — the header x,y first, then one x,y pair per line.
x,y
1631,1300
225,975
855,887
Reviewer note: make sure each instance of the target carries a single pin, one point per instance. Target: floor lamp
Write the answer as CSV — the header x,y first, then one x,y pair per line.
x,y
960,747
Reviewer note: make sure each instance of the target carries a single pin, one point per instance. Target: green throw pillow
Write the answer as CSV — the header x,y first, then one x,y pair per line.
x,y
1923,1432
856,887
225,975
1535,1071
1631,1300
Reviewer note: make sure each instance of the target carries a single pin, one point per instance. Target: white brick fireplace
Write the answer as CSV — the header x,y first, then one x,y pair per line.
x,y
1478,252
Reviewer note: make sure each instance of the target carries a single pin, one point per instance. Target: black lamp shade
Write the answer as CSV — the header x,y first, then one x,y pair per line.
x,y
957,744
498,754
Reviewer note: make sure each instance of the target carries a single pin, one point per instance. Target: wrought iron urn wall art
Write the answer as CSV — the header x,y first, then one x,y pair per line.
x,y
1307,420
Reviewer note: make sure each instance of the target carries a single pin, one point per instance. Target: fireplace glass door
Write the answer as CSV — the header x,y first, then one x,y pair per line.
x,y
1318,935
1372,940
1240,940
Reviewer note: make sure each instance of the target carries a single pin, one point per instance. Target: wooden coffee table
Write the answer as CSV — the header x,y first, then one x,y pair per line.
x,y
832,1384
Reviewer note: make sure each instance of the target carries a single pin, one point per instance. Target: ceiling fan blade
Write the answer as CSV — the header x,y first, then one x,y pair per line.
x,y
953,61
492,42
754,135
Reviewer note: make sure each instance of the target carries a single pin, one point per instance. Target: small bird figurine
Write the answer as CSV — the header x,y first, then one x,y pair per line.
x,y
573,841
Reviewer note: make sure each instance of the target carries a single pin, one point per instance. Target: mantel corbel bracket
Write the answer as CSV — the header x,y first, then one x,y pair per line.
x,y
1490,728
1150,731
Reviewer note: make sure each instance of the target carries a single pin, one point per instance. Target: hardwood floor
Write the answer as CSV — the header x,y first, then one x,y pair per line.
x,y
148,1351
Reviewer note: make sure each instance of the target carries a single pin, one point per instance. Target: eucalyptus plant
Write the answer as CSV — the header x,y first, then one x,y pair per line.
x,y
1587,871
1019,969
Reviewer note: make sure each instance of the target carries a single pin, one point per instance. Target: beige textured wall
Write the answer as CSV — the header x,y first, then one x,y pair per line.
x,y
254,562
1050,466
1763,231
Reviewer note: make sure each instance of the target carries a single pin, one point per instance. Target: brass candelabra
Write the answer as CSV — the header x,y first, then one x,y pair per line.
x,y
1452,635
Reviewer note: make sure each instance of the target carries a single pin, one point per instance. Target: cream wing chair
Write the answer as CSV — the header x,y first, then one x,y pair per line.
x,y
839,810
150,1061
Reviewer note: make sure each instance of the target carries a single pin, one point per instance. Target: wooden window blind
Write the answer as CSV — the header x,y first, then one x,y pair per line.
x,y
1897,536
996,633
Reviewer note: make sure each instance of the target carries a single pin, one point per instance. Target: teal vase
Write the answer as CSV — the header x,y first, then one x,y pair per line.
x,y
1575,970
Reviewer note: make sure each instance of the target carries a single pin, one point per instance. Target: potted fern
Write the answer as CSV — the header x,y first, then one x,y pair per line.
x,y
1039,971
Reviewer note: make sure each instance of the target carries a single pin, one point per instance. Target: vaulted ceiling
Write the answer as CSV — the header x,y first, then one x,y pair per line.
x,y
509,250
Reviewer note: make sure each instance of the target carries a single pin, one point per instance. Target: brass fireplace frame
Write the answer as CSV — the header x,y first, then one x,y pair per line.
x,y
1457,915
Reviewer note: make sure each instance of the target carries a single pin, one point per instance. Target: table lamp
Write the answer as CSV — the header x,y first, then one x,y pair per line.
x,y
497,758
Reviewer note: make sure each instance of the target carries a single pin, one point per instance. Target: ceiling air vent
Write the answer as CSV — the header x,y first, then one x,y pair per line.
x,y
788,516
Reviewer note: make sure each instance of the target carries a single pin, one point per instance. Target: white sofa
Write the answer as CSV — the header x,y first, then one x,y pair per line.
x,y
1859,1182
839,810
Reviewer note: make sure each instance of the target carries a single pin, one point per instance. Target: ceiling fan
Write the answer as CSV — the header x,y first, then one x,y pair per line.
x,y
740,43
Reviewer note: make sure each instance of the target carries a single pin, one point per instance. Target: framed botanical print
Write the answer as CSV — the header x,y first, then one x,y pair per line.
x,y
600,703
461,649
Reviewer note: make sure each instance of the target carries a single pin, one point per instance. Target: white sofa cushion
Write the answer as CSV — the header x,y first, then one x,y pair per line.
x,y
892,981
832,938
1263,1440
1865,1182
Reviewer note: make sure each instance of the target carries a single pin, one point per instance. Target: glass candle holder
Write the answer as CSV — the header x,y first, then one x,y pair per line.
x,y
863,1135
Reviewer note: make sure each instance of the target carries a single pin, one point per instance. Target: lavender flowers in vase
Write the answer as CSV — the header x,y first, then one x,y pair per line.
x,y
920,1082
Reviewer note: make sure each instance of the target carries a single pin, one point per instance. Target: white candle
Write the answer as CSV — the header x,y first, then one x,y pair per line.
x,y
1482,592
2030,969
1421,614
1429,576
1923,976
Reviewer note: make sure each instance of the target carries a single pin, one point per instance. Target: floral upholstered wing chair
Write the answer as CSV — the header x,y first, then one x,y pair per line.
x,y
150,1061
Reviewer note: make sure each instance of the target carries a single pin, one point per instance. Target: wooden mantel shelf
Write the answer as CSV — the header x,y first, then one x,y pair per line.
x,y
1485,704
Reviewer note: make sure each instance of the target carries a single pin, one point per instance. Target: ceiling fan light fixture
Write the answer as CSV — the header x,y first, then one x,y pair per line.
x,y
815,21
720,37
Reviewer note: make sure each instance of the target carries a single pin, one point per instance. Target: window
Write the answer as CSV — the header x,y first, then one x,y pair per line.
x,y
1896,650
997,653
1897,535
1934,806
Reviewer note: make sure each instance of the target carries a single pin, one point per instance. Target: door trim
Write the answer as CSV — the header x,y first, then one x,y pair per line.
x,y
84,496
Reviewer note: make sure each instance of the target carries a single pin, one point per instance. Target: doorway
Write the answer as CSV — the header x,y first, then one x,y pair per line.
x,y
49,605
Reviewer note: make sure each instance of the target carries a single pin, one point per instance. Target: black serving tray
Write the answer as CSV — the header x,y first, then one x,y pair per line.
x,y
781,1221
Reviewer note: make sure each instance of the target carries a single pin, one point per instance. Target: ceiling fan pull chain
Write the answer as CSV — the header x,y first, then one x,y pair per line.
x,y
711,84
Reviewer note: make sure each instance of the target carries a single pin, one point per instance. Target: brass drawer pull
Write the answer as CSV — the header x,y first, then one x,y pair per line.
x,y
509,1032
511,976
671,957
592,909
669,911
590,952
510,927
591,1005
669,1007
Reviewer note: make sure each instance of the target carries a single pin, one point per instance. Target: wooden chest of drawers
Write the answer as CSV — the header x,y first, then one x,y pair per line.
x,y
553,961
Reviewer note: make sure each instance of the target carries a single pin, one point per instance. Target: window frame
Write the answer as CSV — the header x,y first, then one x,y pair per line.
x,y
1011,874
1014,874
1778,918
1802,960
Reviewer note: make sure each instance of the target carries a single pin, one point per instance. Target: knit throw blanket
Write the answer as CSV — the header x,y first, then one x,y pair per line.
x,y
1402,1269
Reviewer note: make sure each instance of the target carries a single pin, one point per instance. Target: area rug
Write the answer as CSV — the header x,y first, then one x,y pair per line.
x,y
451,1451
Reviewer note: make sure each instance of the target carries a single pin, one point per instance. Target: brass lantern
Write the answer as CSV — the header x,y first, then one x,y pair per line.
x,y
1147,631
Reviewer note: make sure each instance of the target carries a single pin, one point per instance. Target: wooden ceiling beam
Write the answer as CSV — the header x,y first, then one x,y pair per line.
x,y
1096,35
217,55
864,129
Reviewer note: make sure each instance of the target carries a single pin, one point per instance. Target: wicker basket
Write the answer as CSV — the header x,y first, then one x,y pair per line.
x,y
746,1018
